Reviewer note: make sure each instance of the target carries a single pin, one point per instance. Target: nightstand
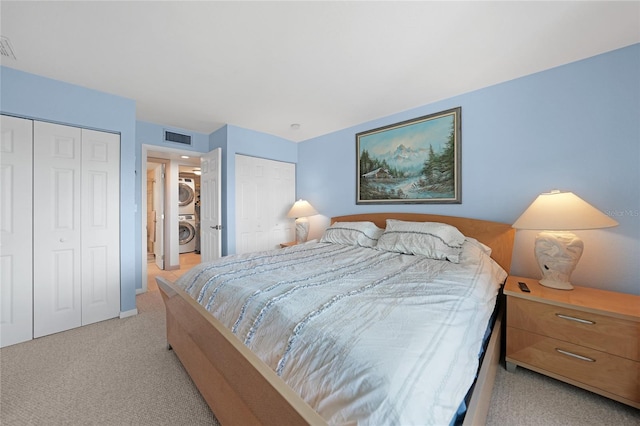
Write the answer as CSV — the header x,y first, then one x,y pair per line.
x,y
289,244
586,337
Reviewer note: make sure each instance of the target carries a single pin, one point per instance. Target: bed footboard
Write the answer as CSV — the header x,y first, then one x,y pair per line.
x,y
242,390
235,383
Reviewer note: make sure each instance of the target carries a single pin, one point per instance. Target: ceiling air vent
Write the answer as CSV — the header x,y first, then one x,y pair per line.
x,y
177,138
5,48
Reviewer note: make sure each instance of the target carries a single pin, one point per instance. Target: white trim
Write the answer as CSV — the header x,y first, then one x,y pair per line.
x,y
129,313
143,208
164,153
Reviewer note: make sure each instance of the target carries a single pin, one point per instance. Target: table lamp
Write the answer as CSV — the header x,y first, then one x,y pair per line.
x,y
557,249
300,211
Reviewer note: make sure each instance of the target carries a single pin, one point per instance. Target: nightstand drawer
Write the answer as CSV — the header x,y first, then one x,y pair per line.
x,y
610,373
607,334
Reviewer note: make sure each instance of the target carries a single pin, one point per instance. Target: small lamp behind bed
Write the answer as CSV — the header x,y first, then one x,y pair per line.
x,y
558,250
301,210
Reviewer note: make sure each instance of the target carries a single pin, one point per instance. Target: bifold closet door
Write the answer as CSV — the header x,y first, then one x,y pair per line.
x,y
265,191
76,253
100,226
57,162
16,295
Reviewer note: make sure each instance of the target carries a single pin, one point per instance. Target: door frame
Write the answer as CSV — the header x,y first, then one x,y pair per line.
x,y
169,154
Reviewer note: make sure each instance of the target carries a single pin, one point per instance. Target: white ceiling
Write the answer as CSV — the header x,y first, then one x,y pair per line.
x,y
325,65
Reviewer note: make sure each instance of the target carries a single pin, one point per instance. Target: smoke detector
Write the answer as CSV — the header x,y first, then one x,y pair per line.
x,y
5,48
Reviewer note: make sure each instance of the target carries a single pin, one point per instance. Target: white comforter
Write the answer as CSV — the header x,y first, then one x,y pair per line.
x,y
364,336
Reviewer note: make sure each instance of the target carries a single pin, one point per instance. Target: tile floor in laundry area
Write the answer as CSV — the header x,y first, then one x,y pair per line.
x,y
187,261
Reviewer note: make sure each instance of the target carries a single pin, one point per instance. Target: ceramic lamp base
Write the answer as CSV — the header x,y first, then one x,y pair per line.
x,y
560,285
557,254
302,229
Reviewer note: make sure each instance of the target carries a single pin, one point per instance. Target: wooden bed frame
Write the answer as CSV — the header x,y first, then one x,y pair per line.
x,y
242,390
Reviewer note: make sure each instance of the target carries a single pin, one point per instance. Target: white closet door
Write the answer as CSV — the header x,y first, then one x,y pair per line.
x,y
282,178
16,231
56,215
265,191
100,229
251,201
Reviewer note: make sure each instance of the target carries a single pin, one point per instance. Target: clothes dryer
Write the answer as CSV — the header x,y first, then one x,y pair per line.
x,y
186,196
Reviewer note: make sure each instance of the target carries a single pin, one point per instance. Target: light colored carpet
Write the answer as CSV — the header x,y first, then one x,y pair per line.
x,y
116,372
119,372
526,398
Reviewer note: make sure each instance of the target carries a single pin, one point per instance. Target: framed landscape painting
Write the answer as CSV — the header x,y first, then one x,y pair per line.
x,y
415,161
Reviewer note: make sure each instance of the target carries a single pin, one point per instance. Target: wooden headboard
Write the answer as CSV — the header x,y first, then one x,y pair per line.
x,y
498,236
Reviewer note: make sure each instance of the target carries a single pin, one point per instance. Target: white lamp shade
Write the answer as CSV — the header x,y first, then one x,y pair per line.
x,y
558,253
301,208
559,211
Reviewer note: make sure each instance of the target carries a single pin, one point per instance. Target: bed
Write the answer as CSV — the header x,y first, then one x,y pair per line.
x,y
272,352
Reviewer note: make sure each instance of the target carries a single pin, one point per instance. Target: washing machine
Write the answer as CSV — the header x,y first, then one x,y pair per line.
x,y
186,196
187,233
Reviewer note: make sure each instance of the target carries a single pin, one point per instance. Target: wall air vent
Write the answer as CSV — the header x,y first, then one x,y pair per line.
x,y
5,48
177,138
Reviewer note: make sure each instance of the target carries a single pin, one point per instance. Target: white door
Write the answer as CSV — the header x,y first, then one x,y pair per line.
x,y
210,209
100,230
16,289
56,226
158,206
265,191
282,190
251,200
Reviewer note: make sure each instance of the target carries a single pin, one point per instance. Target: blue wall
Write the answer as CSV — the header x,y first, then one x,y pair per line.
x,y
574,128
34,97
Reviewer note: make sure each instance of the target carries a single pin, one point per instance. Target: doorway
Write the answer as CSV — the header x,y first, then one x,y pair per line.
x,y
160,212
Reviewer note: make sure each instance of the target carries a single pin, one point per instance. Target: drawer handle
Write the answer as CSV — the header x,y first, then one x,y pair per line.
x,y
583,358
580,320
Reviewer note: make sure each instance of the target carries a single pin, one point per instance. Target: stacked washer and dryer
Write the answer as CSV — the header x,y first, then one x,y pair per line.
x,y
187,214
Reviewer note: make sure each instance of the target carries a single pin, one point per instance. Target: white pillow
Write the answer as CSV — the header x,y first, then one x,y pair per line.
x,y
485,248
432,239
363,234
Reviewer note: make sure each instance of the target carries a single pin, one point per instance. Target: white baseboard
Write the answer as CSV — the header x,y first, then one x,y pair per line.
x,y
129,313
